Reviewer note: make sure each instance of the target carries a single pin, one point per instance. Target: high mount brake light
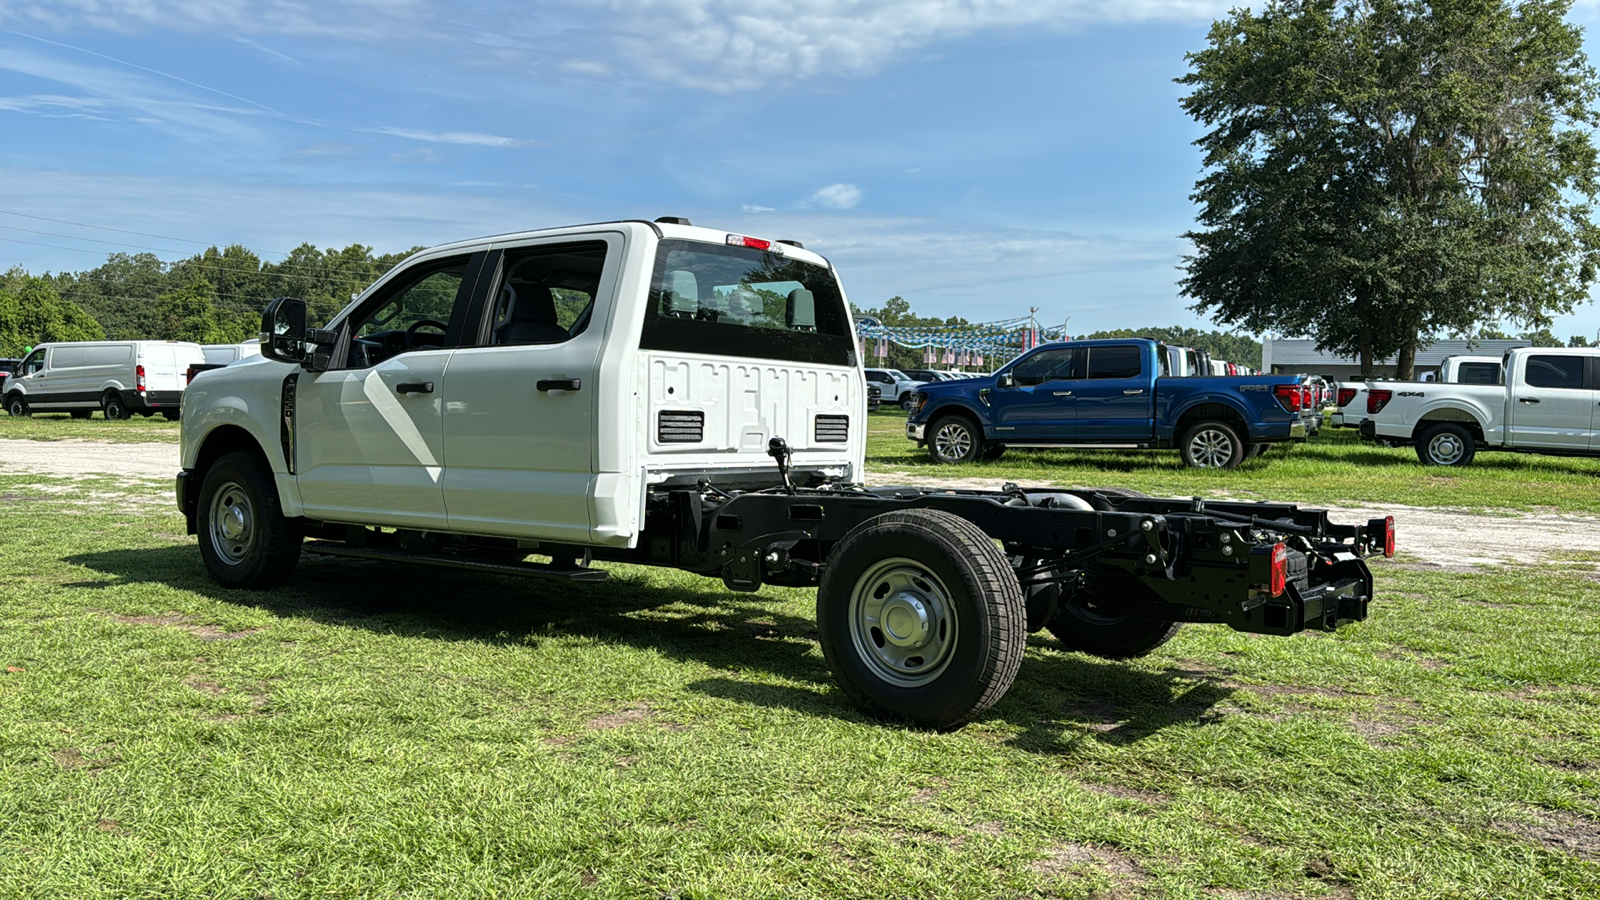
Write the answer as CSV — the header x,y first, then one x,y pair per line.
x,y
1377,400
138,377
1280,570
739,240
1288,397
1346,395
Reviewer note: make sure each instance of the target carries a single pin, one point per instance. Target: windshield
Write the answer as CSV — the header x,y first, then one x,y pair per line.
x,y
737,301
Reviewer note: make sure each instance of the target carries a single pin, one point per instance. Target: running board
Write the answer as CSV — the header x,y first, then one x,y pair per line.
x,y
528,570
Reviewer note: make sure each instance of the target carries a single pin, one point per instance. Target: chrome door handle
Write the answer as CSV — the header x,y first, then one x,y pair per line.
x,y
414,387
1063,393
1527,399
1131,393
559,384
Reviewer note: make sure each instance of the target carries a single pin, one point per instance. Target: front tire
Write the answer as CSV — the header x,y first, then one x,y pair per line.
x,y
113,407
16,406
921,618
954,439
1447,444
245,539
1211,445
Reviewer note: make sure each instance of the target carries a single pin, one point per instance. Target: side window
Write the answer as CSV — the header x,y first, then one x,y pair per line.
x,y
412,314
1048,365
1555,372
1479,373
545,294
1115,362
33,364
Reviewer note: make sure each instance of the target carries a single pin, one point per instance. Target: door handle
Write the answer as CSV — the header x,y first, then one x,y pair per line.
x,y
1063,393
1132,393
414,387
1527,399
559,384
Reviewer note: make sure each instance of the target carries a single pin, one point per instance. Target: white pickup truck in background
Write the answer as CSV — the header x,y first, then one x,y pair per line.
x,y
1549,403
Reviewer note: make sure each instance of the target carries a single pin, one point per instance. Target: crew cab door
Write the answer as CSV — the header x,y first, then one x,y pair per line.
x,y
369,440
1041,404
520,423
1550,403
1116,400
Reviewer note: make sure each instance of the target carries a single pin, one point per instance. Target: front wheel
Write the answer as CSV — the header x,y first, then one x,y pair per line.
x,y
113,407
245,539
921,618
16,406
1211,445
954,439
1447,444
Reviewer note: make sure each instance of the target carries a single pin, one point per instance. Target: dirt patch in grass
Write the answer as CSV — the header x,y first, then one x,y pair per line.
x,y
628,715
1571,834
1071,859
1122,792
184,623
109,826
73,759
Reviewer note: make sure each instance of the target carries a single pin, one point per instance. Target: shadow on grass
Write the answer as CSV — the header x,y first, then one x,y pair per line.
x,y
1058,696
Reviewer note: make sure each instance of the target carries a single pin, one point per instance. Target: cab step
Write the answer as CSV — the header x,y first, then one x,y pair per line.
x,y
525,569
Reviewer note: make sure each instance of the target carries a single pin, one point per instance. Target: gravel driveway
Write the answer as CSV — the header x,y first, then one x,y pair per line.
x,y
1447,537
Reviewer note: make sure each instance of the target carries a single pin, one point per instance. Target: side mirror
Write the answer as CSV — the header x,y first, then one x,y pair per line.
x,y
283,331
285,337
1006,380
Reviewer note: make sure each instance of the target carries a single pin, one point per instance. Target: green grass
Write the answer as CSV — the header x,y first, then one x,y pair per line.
x,y
388,731
61,426
1332,468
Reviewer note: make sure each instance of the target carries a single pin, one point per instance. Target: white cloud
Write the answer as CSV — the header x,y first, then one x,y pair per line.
x,y
454,137
834,196
752,208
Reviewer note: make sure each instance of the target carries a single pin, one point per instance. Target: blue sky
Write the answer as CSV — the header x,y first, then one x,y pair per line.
x,y
976,158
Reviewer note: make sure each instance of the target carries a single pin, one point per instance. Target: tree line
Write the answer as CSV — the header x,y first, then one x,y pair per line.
x,y
214,297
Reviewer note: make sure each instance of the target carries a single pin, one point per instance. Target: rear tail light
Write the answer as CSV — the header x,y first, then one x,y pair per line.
x,y
138,377
1307,397
1377,400
1280,570
1388,536
1345,396
1288,397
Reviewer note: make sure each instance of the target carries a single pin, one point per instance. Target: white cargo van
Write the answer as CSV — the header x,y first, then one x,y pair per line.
x,y
116,377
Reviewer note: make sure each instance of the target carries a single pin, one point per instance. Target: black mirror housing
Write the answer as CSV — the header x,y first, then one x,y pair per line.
x,y
285,337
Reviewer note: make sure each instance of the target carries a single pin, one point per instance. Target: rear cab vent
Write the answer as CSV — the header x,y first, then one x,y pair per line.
x,y
832,429
680,426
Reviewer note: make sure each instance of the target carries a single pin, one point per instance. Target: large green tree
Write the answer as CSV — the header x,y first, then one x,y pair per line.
x,y
31,312
1380,171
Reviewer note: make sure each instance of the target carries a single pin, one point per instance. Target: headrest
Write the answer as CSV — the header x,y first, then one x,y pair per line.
x,y
533,303
802,312
681,293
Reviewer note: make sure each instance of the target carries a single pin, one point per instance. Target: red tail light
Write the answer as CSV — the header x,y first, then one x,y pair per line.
x,y
1388,535
138,377
1307,397
1345,396
1288,397
1280,569
1377,400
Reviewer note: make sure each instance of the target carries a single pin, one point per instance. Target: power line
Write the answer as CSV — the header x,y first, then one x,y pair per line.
x,y
164,237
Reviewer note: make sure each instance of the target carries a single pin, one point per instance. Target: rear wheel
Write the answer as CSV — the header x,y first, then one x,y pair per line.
x,y
245,539
1211,445
16,406
954,439
921,618
1078,625
113,407
1447,444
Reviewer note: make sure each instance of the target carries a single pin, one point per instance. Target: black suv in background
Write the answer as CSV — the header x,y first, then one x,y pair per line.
x,y
7,366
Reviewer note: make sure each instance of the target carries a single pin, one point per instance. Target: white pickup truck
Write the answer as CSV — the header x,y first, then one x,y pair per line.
x,y
1549,403
665,395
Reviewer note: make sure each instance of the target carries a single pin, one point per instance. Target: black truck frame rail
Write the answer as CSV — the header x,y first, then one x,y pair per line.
x,y
1268,568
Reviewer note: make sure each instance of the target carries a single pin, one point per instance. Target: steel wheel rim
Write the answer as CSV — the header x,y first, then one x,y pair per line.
x,y
232,523
953,441
114,409
16,408
1446,448
1211,448
902,622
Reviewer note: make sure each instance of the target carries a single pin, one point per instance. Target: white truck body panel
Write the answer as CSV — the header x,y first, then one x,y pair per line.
x,y
485,453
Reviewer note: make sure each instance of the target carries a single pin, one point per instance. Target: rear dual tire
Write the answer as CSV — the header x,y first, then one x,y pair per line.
x,y
921,618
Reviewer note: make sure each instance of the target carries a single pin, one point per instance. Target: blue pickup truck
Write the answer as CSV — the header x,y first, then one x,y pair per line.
x,y
1108,393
